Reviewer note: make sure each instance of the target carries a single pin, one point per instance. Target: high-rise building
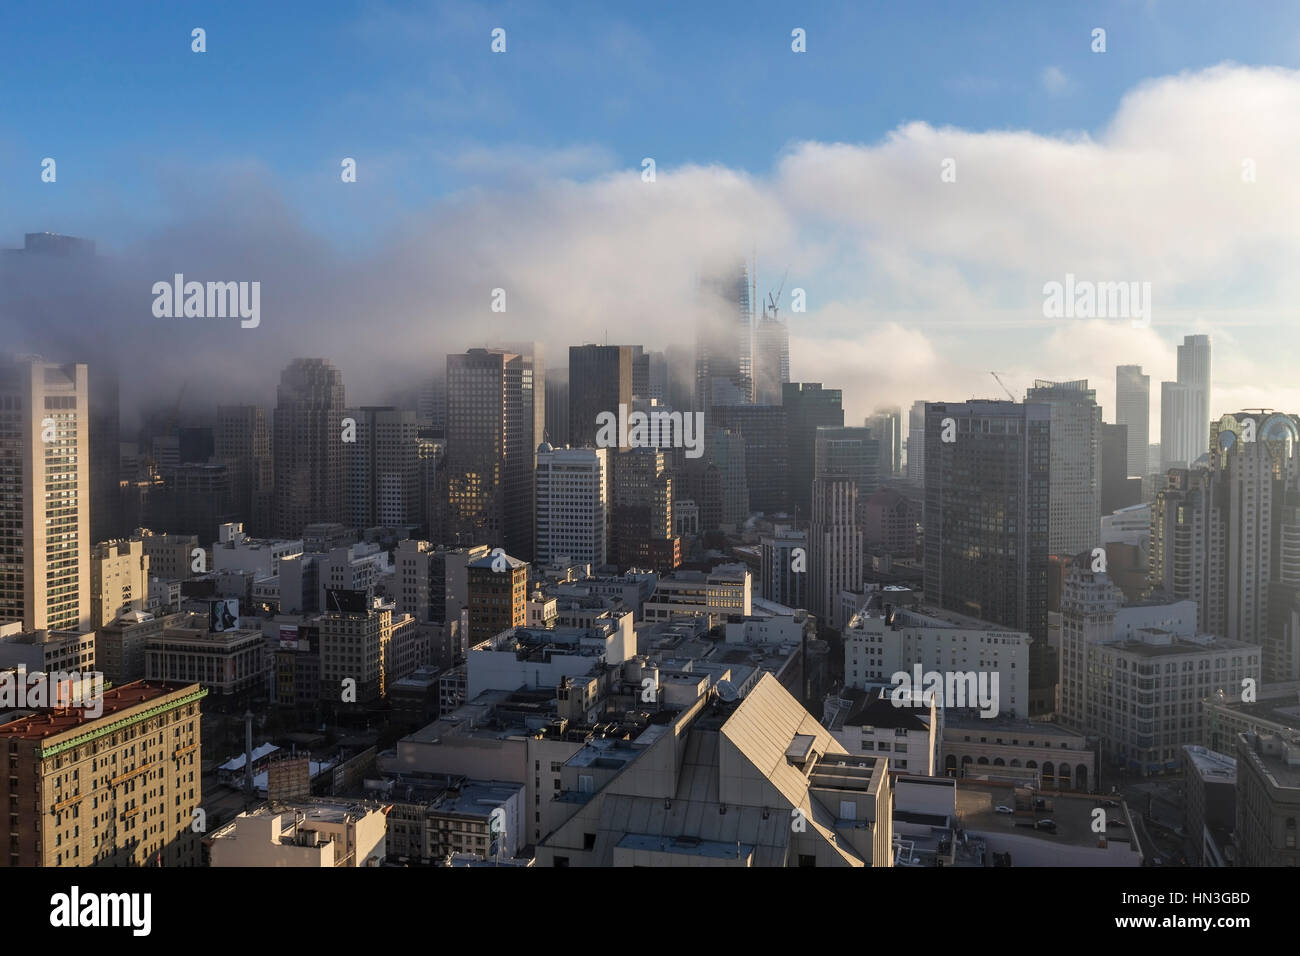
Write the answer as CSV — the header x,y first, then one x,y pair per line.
x,y
808,406
1118,489
572,514
1194,372
724,368
69,772
498,596
106,520
382,466
766,457
490,449
771,360
1178,404
916,442
1133,409
242,442
783,576
119,579
44,494
600,380
835,543
1074,500
642,533
308,446
356,634
557,407
886,426
986,511
849,452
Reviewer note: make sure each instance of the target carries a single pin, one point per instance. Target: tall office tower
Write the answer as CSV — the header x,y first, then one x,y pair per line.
x,y
849,453
1194,372
886,426
1133,408
44,494
431,407
642,534
572,504
771,359
1118,488
308,446
1259,452
1075,496
498,595
382,466
490,450
724,368
783,575
1178,405
242,442
196,500
1089,604
656,388
640,373
104,437
987,511
763,429
679,377
835,545
916,442
600,380
149,731
431,447
1186,556
557,407
808,406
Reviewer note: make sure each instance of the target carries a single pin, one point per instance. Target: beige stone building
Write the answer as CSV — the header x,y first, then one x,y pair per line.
x,y
115,790
44,504
119,579
314,833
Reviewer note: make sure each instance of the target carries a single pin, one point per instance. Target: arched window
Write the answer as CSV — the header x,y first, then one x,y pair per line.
x,y
999,762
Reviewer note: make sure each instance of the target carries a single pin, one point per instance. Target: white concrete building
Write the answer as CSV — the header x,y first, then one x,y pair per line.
x,y
318,833
572,504
881,641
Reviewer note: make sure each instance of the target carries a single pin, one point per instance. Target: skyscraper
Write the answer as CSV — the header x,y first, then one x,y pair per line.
x,y
242,441
771,359
987,511
44,494
572,504
383,468
1178,405
807,407
1075,495
763,429
642,535
308,446
1194,372
916,442
886,426
1133,409
490,450
724,367
600,379
844,476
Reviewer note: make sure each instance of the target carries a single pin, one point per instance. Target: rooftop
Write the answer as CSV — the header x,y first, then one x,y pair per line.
x,y
51,722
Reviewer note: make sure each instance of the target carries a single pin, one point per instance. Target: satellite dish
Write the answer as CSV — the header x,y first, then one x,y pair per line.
x,y
727,692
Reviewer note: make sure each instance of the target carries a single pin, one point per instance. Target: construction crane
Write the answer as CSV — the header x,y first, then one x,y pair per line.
x,y
1003,384
774,302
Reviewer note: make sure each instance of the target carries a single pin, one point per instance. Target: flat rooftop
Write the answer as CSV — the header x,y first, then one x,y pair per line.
x,y
686,846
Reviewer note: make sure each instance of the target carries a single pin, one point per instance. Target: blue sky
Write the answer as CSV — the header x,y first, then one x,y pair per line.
x,y
114,93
